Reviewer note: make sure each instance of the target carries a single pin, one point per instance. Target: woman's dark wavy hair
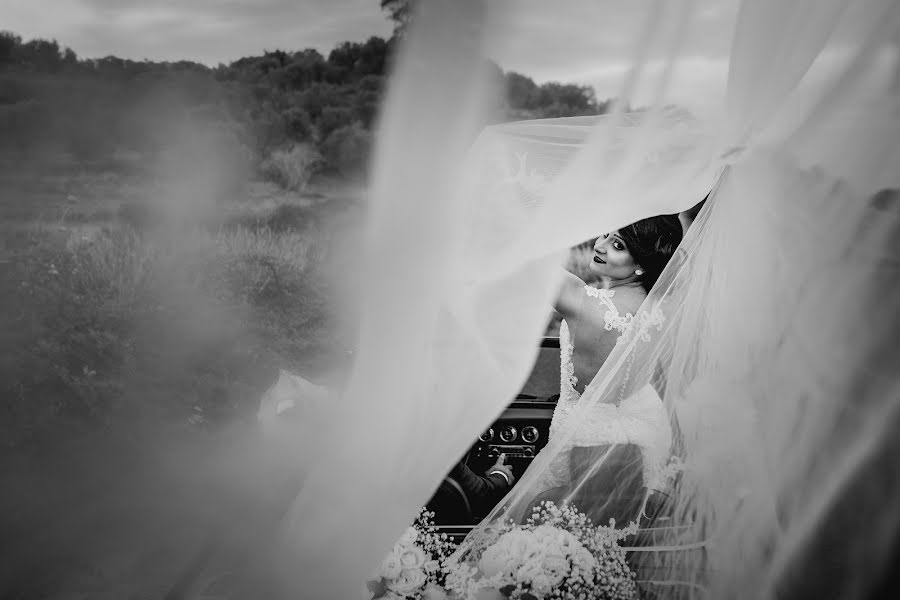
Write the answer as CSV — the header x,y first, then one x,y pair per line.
x,y
652,242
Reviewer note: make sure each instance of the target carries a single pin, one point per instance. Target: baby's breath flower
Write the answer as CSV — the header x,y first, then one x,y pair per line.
x,y
558,554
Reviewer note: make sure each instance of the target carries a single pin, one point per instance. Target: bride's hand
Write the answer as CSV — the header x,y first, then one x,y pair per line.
x,y
501,467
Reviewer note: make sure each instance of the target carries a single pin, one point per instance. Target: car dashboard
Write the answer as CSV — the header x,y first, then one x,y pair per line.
x,y
520,432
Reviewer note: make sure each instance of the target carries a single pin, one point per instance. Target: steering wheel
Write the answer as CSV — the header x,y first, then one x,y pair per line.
x,y
450,504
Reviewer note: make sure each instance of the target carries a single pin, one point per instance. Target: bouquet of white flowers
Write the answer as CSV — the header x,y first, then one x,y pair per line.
x,y
557,554
415,569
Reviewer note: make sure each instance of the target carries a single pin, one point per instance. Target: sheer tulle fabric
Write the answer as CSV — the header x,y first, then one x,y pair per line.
x,y
779,310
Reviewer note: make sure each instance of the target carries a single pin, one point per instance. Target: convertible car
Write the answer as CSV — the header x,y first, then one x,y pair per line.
x,y
520,433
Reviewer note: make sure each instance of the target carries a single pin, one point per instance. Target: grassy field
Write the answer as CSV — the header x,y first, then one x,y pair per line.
x,y
142,323
143,320
112,303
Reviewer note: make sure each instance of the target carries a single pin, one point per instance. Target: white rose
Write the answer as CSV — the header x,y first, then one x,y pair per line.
x,y
434,592
556,568
529,570
495,560
559,538
507,553
413,557
409,536
542,585
410,580
522,544
583,560
391,566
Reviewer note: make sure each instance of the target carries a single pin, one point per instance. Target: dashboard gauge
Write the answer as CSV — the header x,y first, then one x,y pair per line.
x,y
508,433
530,434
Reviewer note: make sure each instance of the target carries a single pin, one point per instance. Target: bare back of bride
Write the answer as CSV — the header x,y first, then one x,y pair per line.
x,y
627,263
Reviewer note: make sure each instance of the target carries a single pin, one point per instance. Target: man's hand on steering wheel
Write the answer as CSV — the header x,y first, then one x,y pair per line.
x,y
504,469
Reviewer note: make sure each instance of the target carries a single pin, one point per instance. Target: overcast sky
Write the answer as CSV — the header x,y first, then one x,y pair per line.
x,y
583,41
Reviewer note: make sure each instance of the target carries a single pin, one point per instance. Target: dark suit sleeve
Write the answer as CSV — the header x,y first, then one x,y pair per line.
x,y
479,488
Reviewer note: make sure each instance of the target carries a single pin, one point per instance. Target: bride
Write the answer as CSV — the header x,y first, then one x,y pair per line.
x,y
628,263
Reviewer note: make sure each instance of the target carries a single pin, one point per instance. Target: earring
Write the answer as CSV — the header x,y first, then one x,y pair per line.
x,y
639,272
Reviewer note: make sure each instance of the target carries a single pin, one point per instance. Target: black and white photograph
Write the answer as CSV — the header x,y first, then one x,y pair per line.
x,y
449,299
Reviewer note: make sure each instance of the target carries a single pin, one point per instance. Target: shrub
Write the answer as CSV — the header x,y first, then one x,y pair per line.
x,y
333,118
292,168
347,149
298,124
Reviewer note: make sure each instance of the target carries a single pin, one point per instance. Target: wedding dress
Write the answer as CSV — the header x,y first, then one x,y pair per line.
x,y
640,419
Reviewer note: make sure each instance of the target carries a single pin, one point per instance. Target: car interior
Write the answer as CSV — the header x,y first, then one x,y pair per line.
x,y
520,433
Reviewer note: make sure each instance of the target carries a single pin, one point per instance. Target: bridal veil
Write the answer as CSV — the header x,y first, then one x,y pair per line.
x,y
770,338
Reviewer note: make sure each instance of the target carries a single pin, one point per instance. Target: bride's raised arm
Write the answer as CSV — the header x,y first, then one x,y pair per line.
x,y
571,295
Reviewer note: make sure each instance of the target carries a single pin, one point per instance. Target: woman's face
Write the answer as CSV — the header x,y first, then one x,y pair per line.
x,y
612,258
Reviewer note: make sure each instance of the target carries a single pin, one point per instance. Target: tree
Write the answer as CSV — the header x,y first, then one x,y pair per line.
x,y
42,55
400,12
319,95
347,149
367,101
565,100
9,45
298,124
304,69
373,57
333,118
70,58
351,61
521,91
270,102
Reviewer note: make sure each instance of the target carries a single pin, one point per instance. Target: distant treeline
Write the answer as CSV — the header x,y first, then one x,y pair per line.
x,y
254,110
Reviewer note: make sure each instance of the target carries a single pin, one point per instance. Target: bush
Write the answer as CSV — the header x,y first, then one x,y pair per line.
x,y
333,118
298,124
117,327
292,168
347,149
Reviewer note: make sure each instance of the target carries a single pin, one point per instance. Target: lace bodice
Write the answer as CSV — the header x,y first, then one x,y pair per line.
x,y
568,391
640,419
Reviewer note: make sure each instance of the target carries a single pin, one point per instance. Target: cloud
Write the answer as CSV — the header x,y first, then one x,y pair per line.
x,y
30,19
696,82
209,31
564,39
595,43
591,42
547,41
